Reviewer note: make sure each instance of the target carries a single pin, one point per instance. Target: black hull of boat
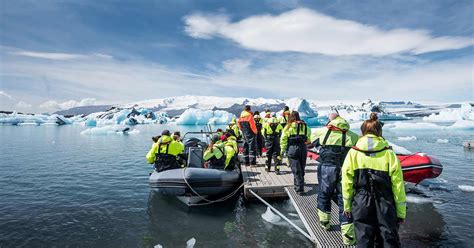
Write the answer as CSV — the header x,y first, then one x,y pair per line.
x,y
193,181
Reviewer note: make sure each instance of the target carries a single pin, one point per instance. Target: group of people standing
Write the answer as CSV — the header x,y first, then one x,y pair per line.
x,y
362,174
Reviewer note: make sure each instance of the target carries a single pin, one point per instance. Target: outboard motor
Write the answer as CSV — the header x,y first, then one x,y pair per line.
x,y
194,150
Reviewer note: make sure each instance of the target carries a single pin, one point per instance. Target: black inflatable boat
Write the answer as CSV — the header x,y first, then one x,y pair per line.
x,y
194,184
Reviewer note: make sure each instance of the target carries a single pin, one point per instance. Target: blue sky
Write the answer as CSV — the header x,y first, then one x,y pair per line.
x,y
58,54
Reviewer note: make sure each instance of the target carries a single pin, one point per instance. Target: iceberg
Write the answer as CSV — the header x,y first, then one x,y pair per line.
x,y
194,116
307,113
362,112
111,129
466,112
458,125
33,119
407,138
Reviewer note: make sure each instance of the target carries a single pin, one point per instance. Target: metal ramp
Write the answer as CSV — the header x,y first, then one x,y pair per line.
x,y
306,207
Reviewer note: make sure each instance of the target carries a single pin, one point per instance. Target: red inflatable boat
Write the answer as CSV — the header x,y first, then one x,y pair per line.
x,y
416,167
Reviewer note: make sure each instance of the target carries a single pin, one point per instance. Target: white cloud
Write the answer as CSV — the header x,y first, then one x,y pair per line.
x,y
59,56
4,94
23,105
311,76
308,31
52,105
236,65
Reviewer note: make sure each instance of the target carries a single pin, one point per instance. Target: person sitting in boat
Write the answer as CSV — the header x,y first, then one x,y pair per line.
x,y
373,188
295,136
334,140
231,150
259,124
181,157
214,155
233,128
164,152
220,132
284,116
272,132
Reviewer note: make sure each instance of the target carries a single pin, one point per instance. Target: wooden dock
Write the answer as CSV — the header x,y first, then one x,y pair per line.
x,y
269,185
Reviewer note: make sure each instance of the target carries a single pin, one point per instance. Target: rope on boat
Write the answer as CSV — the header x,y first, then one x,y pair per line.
x,y
207,201
283,216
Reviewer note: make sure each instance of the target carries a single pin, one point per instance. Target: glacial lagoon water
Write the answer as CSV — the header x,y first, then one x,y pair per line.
x,y
59,188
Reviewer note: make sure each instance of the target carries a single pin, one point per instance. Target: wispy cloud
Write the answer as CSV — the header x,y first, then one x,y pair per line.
x,y
308,31
3,94
52,105
23,105
59,56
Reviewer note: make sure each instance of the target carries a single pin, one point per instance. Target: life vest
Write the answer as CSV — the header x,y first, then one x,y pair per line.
x,y
165,161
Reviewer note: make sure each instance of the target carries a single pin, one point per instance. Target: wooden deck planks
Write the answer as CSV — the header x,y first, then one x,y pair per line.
x,y
269,184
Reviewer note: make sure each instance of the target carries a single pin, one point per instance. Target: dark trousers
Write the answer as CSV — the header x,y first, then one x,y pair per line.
x,y
250,147
329,185
297,161
375,220
260,143
272,144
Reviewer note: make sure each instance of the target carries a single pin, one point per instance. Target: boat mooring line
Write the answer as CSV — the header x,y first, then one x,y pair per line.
x,y
207,201
283,216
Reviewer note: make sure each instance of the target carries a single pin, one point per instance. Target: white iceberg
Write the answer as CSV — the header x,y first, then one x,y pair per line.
x,y
111,129
308,113
363,111
466,112
194,116
407,138
442,141
466,188
33,119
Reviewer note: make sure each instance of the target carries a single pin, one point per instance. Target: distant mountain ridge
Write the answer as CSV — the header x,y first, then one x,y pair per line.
x,y
83,110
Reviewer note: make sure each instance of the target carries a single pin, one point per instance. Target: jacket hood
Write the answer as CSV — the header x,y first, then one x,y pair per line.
x,y
371,142
340,123
165,139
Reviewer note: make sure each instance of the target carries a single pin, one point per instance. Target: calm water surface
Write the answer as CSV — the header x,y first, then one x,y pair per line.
x,y
59,188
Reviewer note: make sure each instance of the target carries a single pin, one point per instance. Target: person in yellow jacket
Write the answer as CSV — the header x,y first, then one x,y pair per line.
x,y
215,153
271,131
164,152
284,116
334,142
233,128
373,188
231,151
296,135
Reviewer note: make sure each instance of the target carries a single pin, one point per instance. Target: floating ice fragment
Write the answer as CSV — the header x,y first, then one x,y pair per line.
x,y
106,130
418,199
158,246
407,138
442,140
270,216
190,243
466,188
